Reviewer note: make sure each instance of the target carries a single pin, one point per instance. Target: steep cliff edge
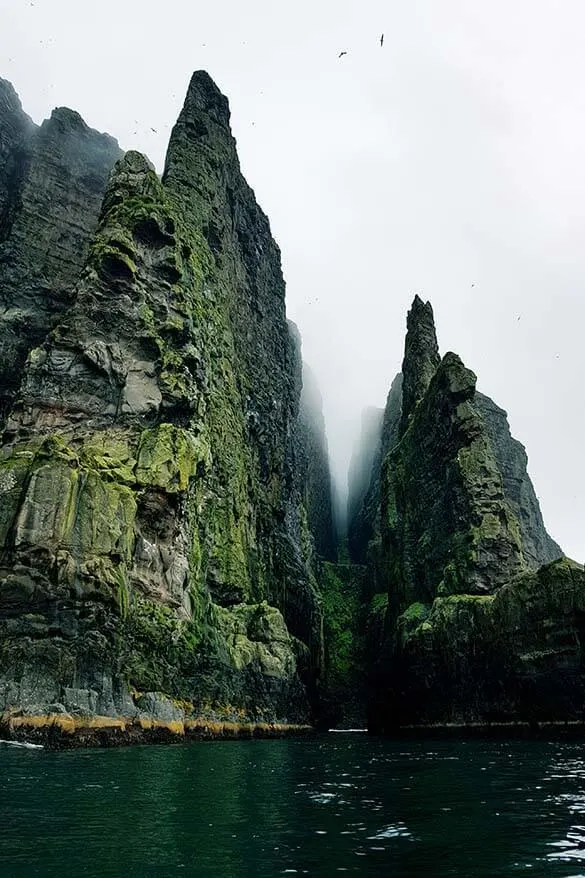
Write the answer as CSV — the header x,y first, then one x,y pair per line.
x,y
456,545
537,546
52,181
169,562
157,558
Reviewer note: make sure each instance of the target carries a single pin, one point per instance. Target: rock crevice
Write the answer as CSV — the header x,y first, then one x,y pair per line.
x,y
159,527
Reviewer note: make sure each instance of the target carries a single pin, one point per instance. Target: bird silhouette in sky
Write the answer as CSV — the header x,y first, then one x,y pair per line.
x,y
154,129
341,54
382,40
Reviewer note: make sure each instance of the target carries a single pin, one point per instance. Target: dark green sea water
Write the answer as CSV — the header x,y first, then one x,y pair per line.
x,y
341,804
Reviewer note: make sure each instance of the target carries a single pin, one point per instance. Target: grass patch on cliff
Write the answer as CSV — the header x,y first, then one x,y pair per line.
x,y
343,614
157,648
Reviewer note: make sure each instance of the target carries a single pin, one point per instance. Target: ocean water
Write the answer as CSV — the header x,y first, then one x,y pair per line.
x,y
334,805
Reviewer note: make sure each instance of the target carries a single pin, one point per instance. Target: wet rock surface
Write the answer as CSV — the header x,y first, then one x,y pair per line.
x,y
474,629
537,546
169,561
52,181
157,554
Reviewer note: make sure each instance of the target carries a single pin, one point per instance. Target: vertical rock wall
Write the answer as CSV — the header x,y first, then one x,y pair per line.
x,y
455,533
155,524
52,181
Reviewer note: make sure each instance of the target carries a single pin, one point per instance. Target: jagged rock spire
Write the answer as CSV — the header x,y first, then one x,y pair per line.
x,y
202,151
421,357
203,96
52,181
148,468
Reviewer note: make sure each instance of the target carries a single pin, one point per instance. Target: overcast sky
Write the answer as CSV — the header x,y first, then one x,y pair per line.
x,y
449,162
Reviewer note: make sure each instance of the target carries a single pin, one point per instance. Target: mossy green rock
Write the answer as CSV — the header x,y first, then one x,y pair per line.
x,y
52,181
154,526
456,539
509,657
446,524
168,458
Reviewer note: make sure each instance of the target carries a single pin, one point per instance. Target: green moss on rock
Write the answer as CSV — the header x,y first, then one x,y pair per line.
x,y
168,457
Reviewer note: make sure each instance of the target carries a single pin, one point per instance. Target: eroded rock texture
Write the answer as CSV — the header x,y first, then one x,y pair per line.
x,y
52,181
537,546
456,542
155,530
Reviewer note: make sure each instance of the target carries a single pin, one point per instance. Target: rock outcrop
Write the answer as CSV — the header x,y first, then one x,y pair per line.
x,y
52,181
537,546
156,547
169,562
456,542
421,358
514,656
446,525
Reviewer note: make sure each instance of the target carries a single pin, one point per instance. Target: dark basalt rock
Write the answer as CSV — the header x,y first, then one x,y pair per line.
x,y
52,181
446,525
156,489
537,546
515,656
167,543
456,540
421,357
15,131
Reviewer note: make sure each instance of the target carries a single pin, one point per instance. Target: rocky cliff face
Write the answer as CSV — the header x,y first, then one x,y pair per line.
x,y
514,656
52,181
314,469
168,555
454,527
446,525
537,546
156,545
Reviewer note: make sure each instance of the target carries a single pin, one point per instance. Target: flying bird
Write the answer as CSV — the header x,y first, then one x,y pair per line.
x,y
341,54
382,40
154,129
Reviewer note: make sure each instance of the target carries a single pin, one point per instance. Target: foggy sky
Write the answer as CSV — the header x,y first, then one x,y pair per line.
x,y
451,157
